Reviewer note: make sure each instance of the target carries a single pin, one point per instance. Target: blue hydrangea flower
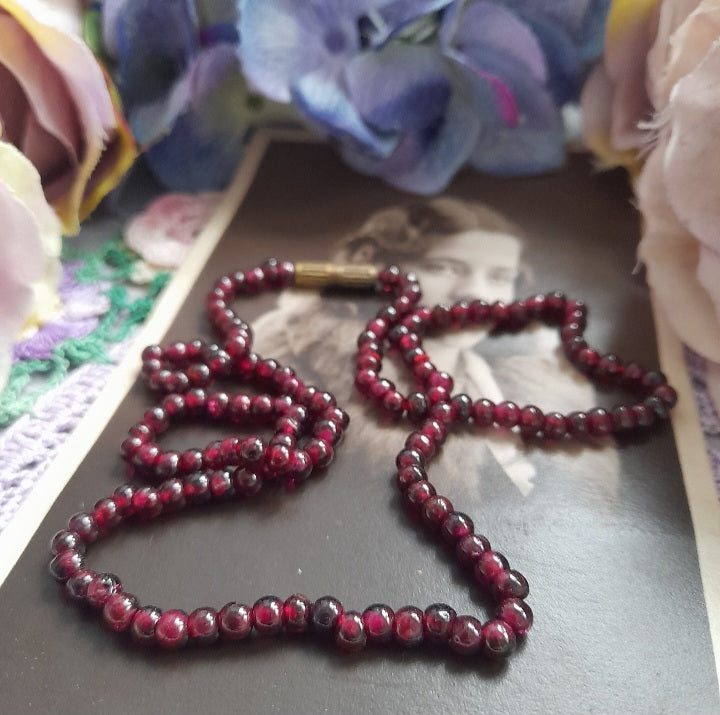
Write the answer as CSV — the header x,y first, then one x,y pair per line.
x,y
179,76
411,91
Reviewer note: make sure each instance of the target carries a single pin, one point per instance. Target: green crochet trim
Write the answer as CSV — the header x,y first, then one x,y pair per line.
x,y
114,263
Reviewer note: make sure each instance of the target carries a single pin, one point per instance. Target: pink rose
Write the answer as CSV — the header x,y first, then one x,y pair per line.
x,y
661,81
56,108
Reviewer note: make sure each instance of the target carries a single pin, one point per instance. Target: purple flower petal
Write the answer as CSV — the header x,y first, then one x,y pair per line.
x,y
155,42
485,28
401,87
426,160
322,102
382,23
283,40
591,37
204,144
568,14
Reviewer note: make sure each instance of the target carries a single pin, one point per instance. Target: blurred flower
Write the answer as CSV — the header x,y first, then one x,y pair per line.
x,y
55,107
29,252
411,91
674,68
179,76
165,231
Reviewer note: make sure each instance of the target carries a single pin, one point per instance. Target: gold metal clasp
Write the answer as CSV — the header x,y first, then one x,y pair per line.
x,y
311,274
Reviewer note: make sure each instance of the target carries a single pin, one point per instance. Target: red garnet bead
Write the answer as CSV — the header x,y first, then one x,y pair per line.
x,y
455,527
498,639
171,629
466,635
506,414
517,614
470,548
235,621
350,634
435,510
325,614
84,525
202,626
510,584
378,620
296,613
417,494
438,622
408,626
268,615
599,422
67,541
77,585
142,628
555,426
489,567
119,611
102,586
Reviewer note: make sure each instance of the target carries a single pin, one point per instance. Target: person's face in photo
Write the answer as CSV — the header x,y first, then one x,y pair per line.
x,y
471,264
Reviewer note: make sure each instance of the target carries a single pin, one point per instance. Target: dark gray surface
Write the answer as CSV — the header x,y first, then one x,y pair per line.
x,y
620,618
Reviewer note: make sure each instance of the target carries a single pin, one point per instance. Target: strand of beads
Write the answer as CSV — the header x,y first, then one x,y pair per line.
x,y
654,396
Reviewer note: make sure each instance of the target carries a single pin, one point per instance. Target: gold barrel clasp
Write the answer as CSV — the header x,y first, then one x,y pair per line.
x,y
312,274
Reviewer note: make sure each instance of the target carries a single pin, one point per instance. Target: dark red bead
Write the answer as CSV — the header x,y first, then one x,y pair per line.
x,y
479,312
67,541
166,465
500,314
644,414
623,418
77,585
438,622
171,629
587,360
156,419
217,405
409,458
510,584
393,404
325,614
506,414
320,452
102,586
202,626
436,395
123,498
350,634
301,466
435,430
251,450
407,475
106,514
609,369
235,621
466,635
146,502
661,410
190,461
408,626
145,456
84,525
517,614
172,495
498,639
651,380
221,485
419,442
455,527
418,493
469,549
296,613
555,426
489,567
196,488
65,565
151,352
119,611
577,424
435,510
532,420
573,346
142,628
378,620
482,412
195,399
247,482
632,376
268,615
277,459
599,422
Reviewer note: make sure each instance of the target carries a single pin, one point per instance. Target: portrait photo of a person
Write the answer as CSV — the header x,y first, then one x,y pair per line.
x,y
459,250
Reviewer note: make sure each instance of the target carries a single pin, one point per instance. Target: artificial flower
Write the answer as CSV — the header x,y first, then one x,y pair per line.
x,y
184,94
29,252
56,108
674,71
411,91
